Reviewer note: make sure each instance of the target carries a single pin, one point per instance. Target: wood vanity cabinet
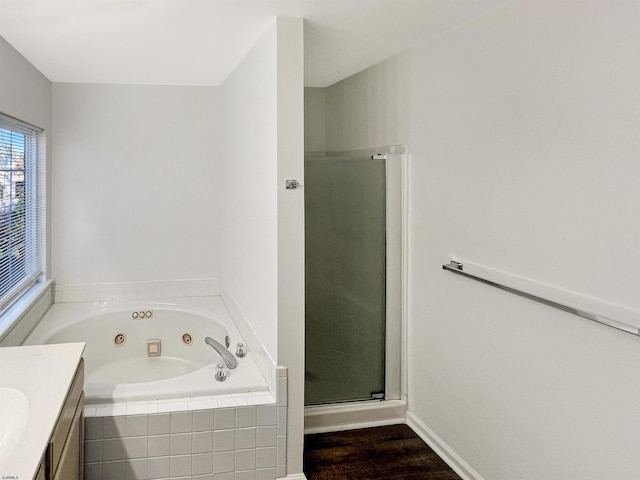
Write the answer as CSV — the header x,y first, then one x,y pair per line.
x,y
64,456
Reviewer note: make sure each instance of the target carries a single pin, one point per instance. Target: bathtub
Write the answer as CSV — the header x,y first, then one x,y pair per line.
x,y
122,340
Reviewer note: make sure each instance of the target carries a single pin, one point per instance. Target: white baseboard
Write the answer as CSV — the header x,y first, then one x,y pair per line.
x,y
443,450
297,476
350,416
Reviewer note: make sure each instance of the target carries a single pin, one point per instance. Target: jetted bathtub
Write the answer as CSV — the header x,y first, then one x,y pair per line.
x,y
144,350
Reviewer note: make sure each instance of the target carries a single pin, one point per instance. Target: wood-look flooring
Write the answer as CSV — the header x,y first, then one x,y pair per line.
x,y
381,453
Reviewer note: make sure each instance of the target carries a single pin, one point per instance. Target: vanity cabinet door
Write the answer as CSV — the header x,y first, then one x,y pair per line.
x,y
42,472
66,418
70,465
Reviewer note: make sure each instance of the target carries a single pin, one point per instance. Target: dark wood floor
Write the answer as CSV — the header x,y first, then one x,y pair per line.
x,y
381,453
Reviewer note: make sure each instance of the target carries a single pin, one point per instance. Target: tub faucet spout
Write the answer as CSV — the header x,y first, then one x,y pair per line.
x,y
226,355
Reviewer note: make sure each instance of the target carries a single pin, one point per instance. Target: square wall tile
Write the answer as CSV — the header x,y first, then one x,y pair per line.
x,y
93,471
93,451
224,440
266,437
181,444
266,457
93,428
136,469
245,438
159,445
202,442
246,459
224,462
158,467
201,463
246,417
202,420
160,424
181,422
112,449
136,425
223,476
246,475
180,466
266,474
224,418
113,470
267,415
114,427
135,447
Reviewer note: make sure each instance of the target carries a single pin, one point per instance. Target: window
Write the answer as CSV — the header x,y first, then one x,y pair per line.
x,y
21,207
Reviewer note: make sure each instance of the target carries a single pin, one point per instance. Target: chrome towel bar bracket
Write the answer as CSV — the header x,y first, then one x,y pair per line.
x,y
458,268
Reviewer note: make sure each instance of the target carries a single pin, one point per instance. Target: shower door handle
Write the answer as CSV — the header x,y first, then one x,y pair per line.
x,y
292,184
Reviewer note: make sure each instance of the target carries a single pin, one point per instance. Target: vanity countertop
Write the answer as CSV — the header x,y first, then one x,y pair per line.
x,y
34,381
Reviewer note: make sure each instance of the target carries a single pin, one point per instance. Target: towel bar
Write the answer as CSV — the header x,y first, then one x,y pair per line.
x,y
458,268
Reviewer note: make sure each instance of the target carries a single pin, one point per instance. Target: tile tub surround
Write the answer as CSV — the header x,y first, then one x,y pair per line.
x,y
225,437
144,290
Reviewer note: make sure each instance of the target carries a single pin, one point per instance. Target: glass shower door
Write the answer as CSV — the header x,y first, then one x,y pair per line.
x,y
345,248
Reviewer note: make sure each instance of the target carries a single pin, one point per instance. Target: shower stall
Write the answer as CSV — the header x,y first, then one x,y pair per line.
x,y
354,219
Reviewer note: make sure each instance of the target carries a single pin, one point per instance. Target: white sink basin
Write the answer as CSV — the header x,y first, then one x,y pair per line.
x,y
14,411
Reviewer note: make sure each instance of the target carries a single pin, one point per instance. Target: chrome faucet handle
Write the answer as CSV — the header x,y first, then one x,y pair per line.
x,y
226,355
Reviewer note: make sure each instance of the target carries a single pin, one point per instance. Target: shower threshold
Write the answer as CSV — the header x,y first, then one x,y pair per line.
x,y
336,417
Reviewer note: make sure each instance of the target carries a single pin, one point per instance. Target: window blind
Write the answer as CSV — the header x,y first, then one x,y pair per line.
x,y
22,189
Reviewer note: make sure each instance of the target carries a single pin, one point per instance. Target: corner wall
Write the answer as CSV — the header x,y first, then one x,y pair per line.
x,y
523,139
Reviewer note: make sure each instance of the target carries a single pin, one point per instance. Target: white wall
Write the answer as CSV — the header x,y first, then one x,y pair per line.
x,y
25,94
315,138
522,127
249,215
133,196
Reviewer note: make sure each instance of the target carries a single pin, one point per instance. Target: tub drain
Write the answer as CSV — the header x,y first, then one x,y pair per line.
x,y
187,339
119,339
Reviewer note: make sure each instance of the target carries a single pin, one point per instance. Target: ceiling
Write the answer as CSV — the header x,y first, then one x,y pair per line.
x,y
199,42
